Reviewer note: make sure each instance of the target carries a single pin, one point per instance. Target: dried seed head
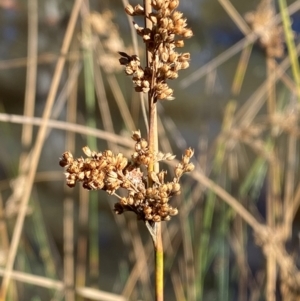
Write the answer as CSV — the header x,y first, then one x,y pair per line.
x,y
149,192
139,10
184,65
153,18
87,151
177,16
190,167
189,153
164,200
144,144
139,73
110,172
67,158
173,4
178,171
187,33
163,23
173,211
130,201
175,187
136,135
179,43
124,201
161,41
271,36
164,56
156,218
129,10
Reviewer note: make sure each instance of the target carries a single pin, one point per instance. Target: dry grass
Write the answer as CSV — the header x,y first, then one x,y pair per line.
x,y
253,163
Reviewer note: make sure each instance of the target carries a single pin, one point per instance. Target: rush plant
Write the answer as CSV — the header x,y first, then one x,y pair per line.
x,y
148,192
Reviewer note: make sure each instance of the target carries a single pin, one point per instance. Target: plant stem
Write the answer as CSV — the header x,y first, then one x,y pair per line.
x,y
153,166
159,265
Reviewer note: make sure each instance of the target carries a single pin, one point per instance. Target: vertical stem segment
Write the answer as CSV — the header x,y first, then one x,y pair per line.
x,y
159,265
153,166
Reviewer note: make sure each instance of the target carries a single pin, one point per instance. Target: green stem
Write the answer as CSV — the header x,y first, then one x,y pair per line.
x,y
153,166
159,265
90,99
289,38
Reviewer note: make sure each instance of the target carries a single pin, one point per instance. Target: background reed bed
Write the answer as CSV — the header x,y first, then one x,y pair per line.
x,y
236,234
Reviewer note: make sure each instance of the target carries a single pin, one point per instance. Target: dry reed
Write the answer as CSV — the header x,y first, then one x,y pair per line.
x,y
266,126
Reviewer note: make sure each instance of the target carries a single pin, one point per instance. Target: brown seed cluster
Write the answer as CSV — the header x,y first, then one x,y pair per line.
x,y
98,171
110,172
167,32
270,36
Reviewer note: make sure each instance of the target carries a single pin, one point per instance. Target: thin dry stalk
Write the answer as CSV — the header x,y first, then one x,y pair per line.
x,y
238,246
67,126
273,193
229,199
83,221
188,256
69,249
141,258
106,49
96,74
68,227
226,55
44,58
84,292
136,50
178,286
291,212
121,102
37,151
29,102
241,70
29,105
235,16
245,115
67,90
4,240
103,106
170,249
256,287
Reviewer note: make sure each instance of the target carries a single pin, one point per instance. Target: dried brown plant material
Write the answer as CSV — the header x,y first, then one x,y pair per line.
x,y
147,192
109,172
169,28
138,10
111,41
270,36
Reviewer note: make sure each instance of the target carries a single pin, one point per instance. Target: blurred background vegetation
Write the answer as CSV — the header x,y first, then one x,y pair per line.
x,y
237,106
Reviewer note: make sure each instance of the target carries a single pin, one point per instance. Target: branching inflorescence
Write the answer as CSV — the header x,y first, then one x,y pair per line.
x,y
167,32
271,36
110,173
146,192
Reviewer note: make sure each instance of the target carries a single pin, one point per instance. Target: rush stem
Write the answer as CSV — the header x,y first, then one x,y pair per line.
x,y
153,166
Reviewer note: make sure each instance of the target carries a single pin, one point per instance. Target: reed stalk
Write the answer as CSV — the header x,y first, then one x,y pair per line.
x,y
148,194
153,166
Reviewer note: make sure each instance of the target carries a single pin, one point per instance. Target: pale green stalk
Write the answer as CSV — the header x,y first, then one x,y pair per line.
x,y
92,142
153,147
290,42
